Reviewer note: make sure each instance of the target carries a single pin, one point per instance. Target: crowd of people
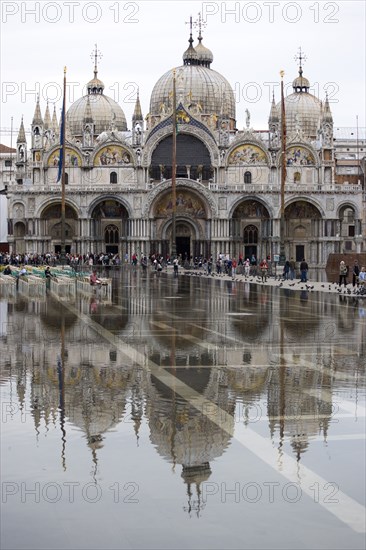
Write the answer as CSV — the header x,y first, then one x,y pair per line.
x,y
224,264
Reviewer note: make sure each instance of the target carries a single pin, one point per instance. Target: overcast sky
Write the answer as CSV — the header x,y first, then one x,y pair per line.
x,y
141,40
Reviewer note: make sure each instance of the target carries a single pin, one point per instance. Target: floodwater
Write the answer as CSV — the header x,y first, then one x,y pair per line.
x,y
183,413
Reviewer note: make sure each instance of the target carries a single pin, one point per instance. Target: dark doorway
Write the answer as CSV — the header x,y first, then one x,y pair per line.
x,y
249,251
111,249
183,246
58,249
300,252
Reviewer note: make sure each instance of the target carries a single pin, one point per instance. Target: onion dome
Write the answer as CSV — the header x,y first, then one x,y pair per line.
x,y
190,56
205,56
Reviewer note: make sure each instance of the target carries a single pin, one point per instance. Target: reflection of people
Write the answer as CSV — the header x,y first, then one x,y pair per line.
x,y
93,305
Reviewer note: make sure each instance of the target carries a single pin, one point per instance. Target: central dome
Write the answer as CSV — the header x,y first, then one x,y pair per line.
x,y
198,87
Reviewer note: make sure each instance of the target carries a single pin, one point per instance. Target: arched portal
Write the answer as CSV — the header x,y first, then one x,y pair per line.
x,y
191,221
51,224
19,234
302,225
109,230
251,230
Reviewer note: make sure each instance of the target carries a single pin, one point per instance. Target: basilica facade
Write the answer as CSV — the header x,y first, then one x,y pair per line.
x,y
228,181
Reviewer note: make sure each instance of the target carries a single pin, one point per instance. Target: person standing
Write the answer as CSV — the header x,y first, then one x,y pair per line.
x,y
292,269
355,273
304,268
362,277
175,267
234,265
264,268
247,267
343,272
286,270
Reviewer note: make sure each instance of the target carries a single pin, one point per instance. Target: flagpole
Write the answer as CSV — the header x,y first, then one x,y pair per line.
x,y
63,156
174,169
283,174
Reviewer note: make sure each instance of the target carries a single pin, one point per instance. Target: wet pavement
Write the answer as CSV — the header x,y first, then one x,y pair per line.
x,y
186,412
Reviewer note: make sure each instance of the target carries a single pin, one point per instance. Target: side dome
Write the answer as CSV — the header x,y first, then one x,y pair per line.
x,y
303,110
102,110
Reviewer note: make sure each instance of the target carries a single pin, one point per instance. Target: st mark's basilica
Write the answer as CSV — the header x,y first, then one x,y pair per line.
x,y
228,181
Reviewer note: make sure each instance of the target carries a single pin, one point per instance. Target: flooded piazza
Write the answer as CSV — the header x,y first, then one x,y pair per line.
x,y
183,412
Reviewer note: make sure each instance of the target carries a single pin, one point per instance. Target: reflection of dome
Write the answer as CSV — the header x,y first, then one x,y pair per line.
x,y
303,110
196,474
104,111
183,434
196,84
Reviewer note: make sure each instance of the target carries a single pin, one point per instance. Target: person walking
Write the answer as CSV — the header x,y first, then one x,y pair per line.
x,y
304,268
343,272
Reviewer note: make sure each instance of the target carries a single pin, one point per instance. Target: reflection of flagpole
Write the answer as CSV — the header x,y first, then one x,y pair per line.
x,y
283,174
61,385
62,159
174,169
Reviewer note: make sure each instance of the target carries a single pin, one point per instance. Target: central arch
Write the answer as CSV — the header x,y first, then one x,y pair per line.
x,y
191,215
193,159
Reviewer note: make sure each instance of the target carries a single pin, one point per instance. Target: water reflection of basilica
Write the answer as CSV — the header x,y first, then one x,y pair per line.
x,y
69,368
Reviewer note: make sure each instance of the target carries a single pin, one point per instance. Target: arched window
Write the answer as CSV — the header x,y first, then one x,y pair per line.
x,y
66,178
248,177
113,177
250,234
111,234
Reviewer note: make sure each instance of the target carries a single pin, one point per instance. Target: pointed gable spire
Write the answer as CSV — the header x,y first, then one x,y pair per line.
x,y
88,115
47,118
55,126
327,114
21,134
137,114
37,117
274,114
